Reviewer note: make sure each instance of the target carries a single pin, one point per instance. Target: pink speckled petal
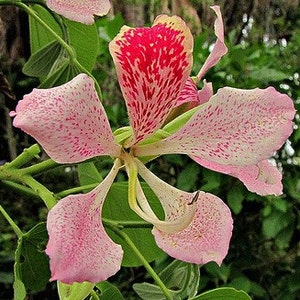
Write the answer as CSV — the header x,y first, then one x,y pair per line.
x,y
219,49
68,121
235,127
152,65
179,206
263,178
79,248
205,93
188,94
78,10
191,96
206,238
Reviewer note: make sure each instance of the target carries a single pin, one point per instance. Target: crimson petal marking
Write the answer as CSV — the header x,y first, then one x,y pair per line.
x,y
235,127
68,121
80,11
152,65
262,178
79,248
192,96
219,49
205,239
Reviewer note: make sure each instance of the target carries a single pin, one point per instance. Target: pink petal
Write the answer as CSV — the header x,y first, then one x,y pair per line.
x,y
68,121
219,49
262,178
179,206
205,93
206,238
79,248
235,127
190,95
152,65
80,11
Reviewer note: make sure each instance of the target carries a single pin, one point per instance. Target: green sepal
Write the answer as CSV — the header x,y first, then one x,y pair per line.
x,y
75,291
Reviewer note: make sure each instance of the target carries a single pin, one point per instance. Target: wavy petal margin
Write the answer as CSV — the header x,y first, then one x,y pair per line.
x,y
219,49
68,121
263,178
206,238
235,127
80,11
79,248
152,66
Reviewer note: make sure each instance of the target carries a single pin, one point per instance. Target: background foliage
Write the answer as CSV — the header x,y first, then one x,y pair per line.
x,y
263,40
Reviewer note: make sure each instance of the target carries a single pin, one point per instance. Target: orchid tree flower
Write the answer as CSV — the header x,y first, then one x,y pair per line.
x,y
233,129
80,11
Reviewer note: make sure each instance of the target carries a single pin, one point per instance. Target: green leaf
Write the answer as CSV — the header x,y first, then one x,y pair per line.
x,y
41,62
88,173
39,36
19,287
274,223
224,293
148,291
83,38
32,264
235,198
267,75
116,208
188,177
181,278
108,291
62,75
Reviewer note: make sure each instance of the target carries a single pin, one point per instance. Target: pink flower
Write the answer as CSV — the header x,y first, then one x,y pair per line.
x,y
78,10
234,131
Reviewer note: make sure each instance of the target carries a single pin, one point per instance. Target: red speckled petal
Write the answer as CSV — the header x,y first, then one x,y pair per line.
x,y
79,248
78,10
192,96
262,178
206,238
68,121
235,127
219,49
152,65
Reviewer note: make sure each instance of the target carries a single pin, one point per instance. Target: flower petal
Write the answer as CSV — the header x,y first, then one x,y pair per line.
x,y
206,238
79,248
152,65
235,127
80,11
192,96
68,121
179,206
262,178
219,49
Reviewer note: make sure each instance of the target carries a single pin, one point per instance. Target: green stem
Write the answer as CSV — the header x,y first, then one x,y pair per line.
x,y
14,226
137,252
26,156
126,224
41,190
76,190
40,167
21,188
